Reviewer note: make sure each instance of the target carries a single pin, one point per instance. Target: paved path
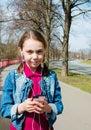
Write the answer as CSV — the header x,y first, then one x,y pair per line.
x,y
77,108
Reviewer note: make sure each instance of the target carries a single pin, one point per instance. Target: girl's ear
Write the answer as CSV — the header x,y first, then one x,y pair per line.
x,y
21,54
20,51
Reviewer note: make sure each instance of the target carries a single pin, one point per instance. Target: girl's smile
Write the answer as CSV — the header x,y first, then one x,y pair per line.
x,y
29,80
33,52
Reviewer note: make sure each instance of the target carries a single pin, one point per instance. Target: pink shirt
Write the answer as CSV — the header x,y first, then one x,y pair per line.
x,y
34,121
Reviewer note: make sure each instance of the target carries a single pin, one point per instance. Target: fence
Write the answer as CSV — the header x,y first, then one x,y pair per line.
x,y
4,63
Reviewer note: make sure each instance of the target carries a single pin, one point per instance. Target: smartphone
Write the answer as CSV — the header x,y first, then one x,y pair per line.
x,y
39,97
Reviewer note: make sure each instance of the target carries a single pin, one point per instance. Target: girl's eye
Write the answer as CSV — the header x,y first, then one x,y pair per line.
x,y
29,52
39,51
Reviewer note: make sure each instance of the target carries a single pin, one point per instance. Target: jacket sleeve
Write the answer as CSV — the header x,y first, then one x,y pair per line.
x,y
7,97
56,105
9,105
8,108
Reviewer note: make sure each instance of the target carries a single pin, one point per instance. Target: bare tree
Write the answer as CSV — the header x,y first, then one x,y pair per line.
x,y
71,9
50,18
36,14
0,25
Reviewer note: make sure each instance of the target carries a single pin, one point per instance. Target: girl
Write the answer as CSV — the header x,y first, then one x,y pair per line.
x,y
31,95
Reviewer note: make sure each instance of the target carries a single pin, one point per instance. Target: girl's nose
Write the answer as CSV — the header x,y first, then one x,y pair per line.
x,y
34,56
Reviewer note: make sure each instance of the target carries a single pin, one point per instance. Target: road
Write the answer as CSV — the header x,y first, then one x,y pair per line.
x,y
74,66
77,108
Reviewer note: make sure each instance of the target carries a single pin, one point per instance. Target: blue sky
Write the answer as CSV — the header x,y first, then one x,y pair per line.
x,y
80,36
3,2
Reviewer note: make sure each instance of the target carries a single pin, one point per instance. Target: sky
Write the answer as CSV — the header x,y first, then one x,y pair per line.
x,y
80,33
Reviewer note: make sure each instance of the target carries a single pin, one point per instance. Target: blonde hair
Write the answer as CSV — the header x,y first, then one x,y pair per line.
x,y
32,34
35,35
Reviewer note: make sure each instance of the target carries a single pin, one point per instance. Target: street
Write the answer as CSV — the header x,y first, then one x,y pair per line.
x,y
74,66
77,108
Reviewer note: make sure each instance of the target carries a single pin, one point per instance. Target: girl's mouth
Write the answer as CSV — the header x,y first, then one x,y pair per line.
x,y
34,63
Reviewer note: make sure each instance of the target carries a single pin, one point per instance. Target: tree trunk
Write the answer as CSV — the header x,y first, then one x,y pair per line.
x,y
67,25
64,71
48,26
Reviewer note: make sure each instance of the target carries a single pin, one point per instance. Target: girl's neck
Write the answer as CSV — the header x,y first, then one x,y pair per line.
x,y
32,69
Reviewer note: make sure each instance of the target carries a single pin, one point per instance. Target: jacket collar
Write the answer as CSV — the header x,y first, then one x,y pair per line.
x,y
29,73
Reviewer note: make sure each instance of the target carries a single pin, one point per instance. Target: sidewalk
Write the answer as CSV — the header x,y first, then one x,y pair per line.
x,y
77,109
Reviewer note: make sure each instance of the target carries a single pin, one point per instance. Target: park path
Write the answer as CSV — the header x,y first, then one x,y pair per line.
x,y
77,107
77,110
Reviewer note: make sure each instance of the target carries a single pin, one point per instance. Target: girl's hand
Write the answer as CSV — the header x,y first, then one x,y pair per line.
x,y
27,105
37,105
42,106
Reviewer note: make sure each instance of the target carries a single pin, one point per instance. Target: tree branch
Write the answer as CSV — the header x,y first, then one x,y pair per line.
x,y
83,12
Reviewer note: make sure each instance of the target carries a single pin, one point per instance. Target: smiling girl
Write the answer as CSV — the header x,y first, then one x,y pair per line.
x,y
31,95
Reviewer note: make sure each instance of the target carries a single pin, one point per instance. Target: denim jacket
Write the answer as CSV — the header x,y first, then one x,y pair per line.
x,y
16,89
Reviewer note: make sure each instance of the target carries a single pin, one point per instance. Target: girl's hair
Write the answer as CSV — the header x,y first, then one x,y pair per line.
x,y
35,35
32,34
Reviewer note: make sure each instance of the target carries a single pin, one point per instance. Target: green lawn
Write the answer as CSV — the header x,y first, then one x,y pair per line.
x,y
77,80
87,62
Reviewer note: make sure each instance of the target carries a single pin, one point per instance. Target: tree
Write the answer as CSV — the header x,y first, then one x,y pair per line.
x,y
49,17
71,9
26,14
0,25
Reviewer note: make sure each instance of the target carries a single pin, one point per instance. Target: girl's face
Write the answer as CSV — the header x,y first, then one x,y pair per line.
x,y
33,52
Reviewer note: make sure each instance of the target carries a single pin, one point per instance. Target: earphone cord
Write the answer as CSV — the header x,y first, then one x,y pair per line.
x,y
33,122
34,116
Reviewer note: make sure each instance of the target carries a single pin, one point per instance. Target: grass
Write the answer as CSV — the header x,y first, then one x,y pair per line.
x,y
87,62
77,80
